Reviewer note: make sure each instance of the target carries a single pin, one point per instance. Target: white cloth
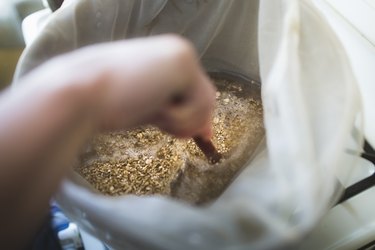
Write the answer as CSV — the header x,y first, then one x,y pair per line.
x,y
310,104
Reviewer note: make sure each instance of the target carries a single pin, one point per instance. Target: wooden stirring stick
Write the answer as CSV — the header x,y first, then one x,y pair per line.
x,y
205,146
208,149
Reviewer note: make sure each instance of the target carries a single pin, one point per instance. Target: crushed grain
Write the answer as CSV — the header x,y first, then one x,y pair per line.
x,y
146,161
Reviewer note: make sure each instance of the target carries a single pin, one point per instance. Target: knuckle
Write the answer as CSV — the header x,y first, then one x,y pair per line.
x,y
183,50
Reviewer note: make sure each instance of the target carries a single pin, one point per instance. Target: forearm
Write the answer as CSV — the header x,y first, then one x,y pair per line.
x,y
36,116
42,127
49,115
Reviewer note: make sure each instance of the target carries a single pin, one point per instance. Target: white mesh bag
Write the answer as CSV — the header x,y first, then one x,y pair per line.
x,y
310,104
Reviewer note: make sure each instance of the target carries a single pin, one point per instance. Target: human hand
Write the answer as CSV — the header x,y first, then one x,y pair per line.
x,y
49,115
155,80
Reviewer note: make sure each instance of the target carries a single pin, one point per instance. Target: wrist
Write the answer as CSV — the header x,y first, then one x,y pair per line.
x,y
83,84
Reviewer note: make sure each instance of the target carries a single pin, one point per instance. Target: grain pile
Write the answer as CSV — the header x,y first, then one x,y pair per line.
x,y
146,161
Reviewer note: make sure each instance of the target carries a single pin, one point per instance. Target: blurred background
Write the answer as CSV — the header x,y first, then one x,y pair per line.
x,y
353,22
12,12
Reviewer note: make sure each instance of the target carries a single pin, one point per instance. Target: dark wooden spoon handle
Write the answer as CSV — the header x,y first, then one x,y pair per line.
x,y
208,149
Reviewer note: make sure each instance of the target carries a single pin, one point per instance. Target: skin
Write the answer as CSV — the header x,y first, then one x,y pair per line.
x,y
49,115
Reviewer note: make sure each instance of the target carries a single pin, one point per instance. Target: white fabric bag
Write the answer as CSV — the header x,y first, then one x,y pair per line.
x,y
310,103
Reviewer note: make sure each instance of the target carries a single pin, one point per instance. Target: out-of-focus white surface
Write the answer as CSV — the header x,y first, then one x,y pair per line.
x,y
33,24
353,21
12,13
351,224
359,14
362,169
90,242
70,237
